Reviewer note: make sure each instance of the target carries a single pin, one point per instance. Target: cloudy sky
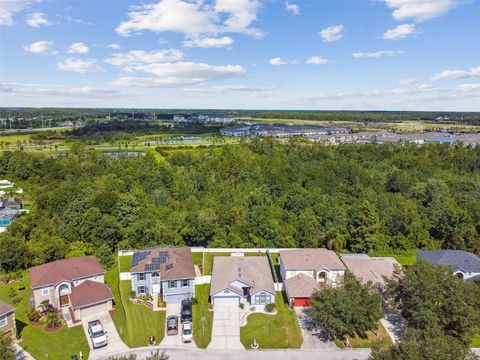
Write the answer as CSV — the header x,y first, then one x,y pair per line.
x,y
261,54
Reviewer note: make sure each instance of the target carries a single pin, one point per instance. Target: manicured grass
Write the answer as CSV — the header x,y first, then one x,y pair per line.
x,y
276,264
201,335
405,258
208,261
41,345
280,331
135,323
125,262
198,259
370,340
475,341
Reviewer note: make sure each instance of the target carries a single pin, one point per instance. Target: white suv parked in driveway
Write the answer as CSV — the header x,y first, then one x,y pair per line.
x,y
187,334
97,335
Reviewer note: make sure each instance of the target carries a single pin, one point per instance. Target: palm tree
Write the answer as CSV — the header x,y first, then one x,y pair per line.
x,y
334,239
52,319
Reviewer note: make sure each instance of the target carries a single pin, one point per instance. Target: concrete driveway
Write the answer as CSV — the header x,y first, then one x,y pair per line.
x,y
394,323
175,340
115,344
226,328
314,337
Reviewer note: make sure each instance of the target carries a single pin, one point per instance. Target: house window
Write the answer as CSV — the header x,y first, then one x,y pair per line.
x,y
142,276
3,320
459,275
76,282
262,299
45,291
185,283
322,276
155,274
95,278
141,290
172,284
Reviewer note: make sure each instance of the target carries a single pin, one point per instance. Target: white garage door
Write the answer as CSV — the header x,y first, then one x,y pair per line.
x,y
93,310
226,301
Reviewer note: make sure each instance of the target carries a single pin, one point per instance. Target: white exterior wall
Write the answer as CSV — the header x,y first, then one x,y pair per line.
x,y
467,275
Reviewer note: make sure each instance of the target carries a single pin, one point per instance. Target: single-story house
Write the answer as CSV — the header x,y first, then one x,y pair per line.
x,y
305,270
166,271
75,286
465,265
237,280
7,319
371,269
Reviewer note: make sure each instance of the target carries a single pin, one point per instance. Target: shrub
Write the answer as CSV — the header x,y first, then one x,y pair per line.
x,y
242,306
270,307
194,301
33,315
133,294
52,319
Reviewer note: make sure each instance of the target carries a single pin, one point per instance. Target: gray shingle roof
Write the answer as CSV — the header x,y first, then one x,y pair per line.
x,y
457,259
300,285
311,259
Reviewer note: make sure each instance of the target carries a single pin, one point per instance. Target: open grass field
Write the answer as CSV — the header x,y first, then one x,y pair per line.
x,y
405,258
125,262
41,345
202,333
135,323
280,331
370,340
208,261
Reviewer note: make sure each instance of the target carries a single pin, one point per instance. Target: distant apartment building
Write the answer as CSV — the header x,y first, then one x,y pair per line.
x,y
203,119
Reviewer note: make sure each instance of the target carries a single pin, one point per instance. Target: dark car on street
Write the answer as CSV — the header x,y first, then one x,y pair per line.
x,y
186,311
172,325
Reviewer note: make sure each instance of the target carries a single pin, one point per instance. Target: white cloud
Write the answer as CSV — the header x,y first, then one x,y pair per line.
x,y
293,8
55,90
377,54
208,42
317,60
420,10
192,18
38,47
138,57
426,87
9,8
407,81
231,88
399,32
80,66
468,87
179,73
457,74
332,33
37,19
78,48
114,46
279,61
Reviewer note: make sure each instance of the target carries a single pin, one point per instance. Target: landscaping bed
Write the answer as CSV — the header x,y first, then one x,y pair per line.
x,y
280,331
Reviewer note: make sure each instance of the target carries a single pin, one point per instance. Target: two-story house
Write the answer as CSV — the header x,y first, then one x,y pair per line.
x,y
166,271
241,280
305,270
7,319
74,286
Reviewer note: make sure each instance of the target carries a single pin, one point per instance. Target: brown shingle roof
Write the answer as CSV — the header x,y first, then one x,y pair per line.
x,y
252,270
178,265
90,292
311,259
300,285
372,269
69,269
6,308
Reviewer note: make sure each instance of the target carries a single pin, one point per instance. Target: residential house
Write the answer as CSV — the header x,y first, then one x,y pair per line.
x,y
371,269
237,280
74,286
7,319
7,216
465,265
305,270
11,203
166,271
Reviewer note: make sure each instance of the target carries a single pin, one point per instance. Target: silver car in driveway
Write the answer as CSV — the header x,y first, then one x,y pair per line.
x,y
187,333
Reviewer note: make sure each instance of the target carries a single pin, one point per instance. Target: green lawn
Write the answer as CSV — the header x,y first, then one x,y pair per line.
x,y
405,258
198,260
280,331
42,345
208,261
276,264
201,335
135,323
370,340
476,341
125,262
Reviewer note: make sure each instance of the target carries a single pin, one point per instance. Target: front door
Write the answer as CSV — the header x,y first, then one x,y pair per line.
x,y
156,288
64,300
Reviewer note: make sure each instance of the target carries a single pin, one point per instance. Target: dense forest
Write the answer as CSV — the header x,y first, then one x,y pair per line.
x,y
260,193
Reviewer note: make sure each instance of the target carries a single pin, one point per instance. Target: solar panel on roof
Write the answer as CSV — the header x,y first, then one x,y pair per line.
x,y
156,260
169,266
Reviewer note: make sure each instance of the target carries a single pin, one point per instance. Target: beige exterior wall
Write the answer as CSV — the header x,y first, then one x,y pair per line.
x,y
39,297
9,325
291,273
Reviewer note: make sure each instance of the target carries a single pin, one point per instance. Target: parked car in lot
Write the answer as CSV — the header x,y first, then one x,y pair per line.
x,y
172,325
97,335
186,311
187,334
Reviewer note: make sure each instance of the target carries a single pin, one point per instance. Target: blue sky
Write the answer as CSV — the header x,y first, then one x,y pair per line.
x,y
261,54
